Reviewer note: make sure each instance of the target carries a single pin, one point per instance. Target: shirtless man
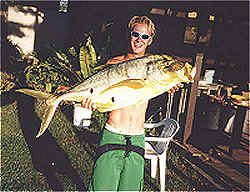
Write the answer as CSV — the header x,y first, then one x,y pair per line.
x,y
117,170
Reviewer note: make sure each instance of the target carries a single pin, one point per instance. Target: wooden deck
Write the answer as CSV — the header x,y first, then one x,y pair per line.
x,y
227,171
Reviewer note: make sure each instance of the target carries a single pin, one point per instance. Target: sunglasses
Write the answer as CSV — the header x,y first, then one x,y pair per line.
x,y
142,35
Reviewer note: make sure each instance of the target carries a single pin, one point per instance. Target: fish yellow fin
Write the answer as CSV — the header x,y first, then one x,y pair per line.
x,y
131,83
48,115
111,98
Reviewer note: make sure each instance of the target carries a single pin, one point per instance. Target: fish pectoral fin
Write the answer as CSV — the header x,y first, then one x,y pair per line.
x,y
113,96
133,83
122,87
130,83
35,93
47,117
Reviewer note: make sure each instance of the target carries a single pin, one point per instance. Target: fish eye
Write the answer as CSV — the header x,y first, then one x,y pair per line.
x,y
176,65
91,90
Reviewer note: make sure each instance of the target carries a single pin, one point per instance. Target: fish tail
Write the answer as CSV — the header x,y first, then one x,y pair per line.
x,y
50,108
47,117
35,93
189,72
193,72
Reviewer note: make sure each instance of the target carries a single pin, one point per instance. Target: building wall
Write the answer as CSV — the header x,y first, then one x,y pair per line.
x,y
21,24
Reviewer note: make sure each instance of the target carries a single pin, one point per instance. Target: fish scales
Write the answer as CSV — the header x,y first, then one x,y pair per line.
x,y
132,69
93,85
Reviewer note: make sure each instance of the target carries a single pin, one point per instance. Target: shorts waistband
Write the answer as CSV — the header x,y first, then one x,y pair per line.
x,y
118,131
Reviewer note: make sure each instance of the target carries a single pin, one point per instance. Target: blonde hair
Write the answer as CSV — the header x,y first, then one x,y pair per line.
x,y
142,20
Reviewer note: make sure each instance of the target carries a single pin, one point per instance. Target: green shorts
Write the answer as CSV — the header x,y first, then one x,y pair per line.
x,y
116,171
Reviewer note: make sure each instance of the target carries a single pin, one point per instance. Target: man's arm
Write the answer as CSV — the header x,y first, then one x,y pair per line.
x,y
116,60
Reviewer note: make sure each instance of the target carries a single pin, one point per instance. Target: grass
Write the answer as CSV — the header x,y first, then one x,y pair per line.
x,y
19,174
16,165
17,171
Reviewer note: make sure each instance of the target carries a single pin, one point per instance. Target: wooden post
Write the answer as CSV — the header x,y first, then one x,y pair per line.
x,y
169,104
193,97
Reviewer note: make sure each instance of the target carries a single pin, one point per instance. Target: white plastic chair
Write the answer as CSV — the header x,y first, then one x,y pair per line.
x,y
157,151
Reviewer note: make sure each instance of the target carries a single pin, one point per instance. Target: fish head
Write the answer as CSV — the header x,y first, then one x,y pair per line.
x,y
166,68
169,64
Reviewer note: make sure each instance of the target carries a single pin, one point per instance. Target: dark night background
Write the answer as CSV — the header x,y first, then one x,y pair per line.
x,y
229,42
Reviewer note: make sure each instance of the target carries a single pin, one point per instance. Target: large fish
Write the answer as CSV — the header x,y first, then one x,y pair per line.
x,y
127,83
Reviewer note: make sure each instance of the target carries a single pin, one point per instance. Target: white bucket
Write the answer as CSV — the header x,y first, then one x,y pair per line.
x,y
209,74
82,116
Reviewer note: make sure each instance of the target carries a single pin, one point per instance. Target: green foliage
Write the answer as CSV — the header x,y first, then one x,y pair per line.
x,y
87,58
48,74
65,67
6,82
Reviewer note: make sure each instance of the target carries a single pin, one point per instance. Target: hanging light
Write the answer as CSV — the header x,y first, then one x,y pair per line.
x,y
63,6
192,15
211,18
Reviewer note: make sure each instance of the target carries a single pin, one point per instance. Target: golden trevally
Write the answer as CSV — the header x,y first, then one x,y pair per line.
x,y
127,83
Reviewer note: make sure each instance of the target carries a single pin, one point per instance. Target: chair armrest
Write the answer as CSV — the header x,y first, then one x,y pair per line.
x,y
158,139
171,127
152,125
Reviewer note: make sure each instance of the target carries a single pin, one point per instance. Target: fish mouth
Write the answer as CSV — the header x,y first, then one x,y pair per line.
x,y
170,65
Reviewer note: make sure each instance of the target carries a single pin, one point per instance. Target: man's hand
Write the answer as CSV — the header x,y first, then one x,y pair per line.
x,y
175,88
87,103
62,88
